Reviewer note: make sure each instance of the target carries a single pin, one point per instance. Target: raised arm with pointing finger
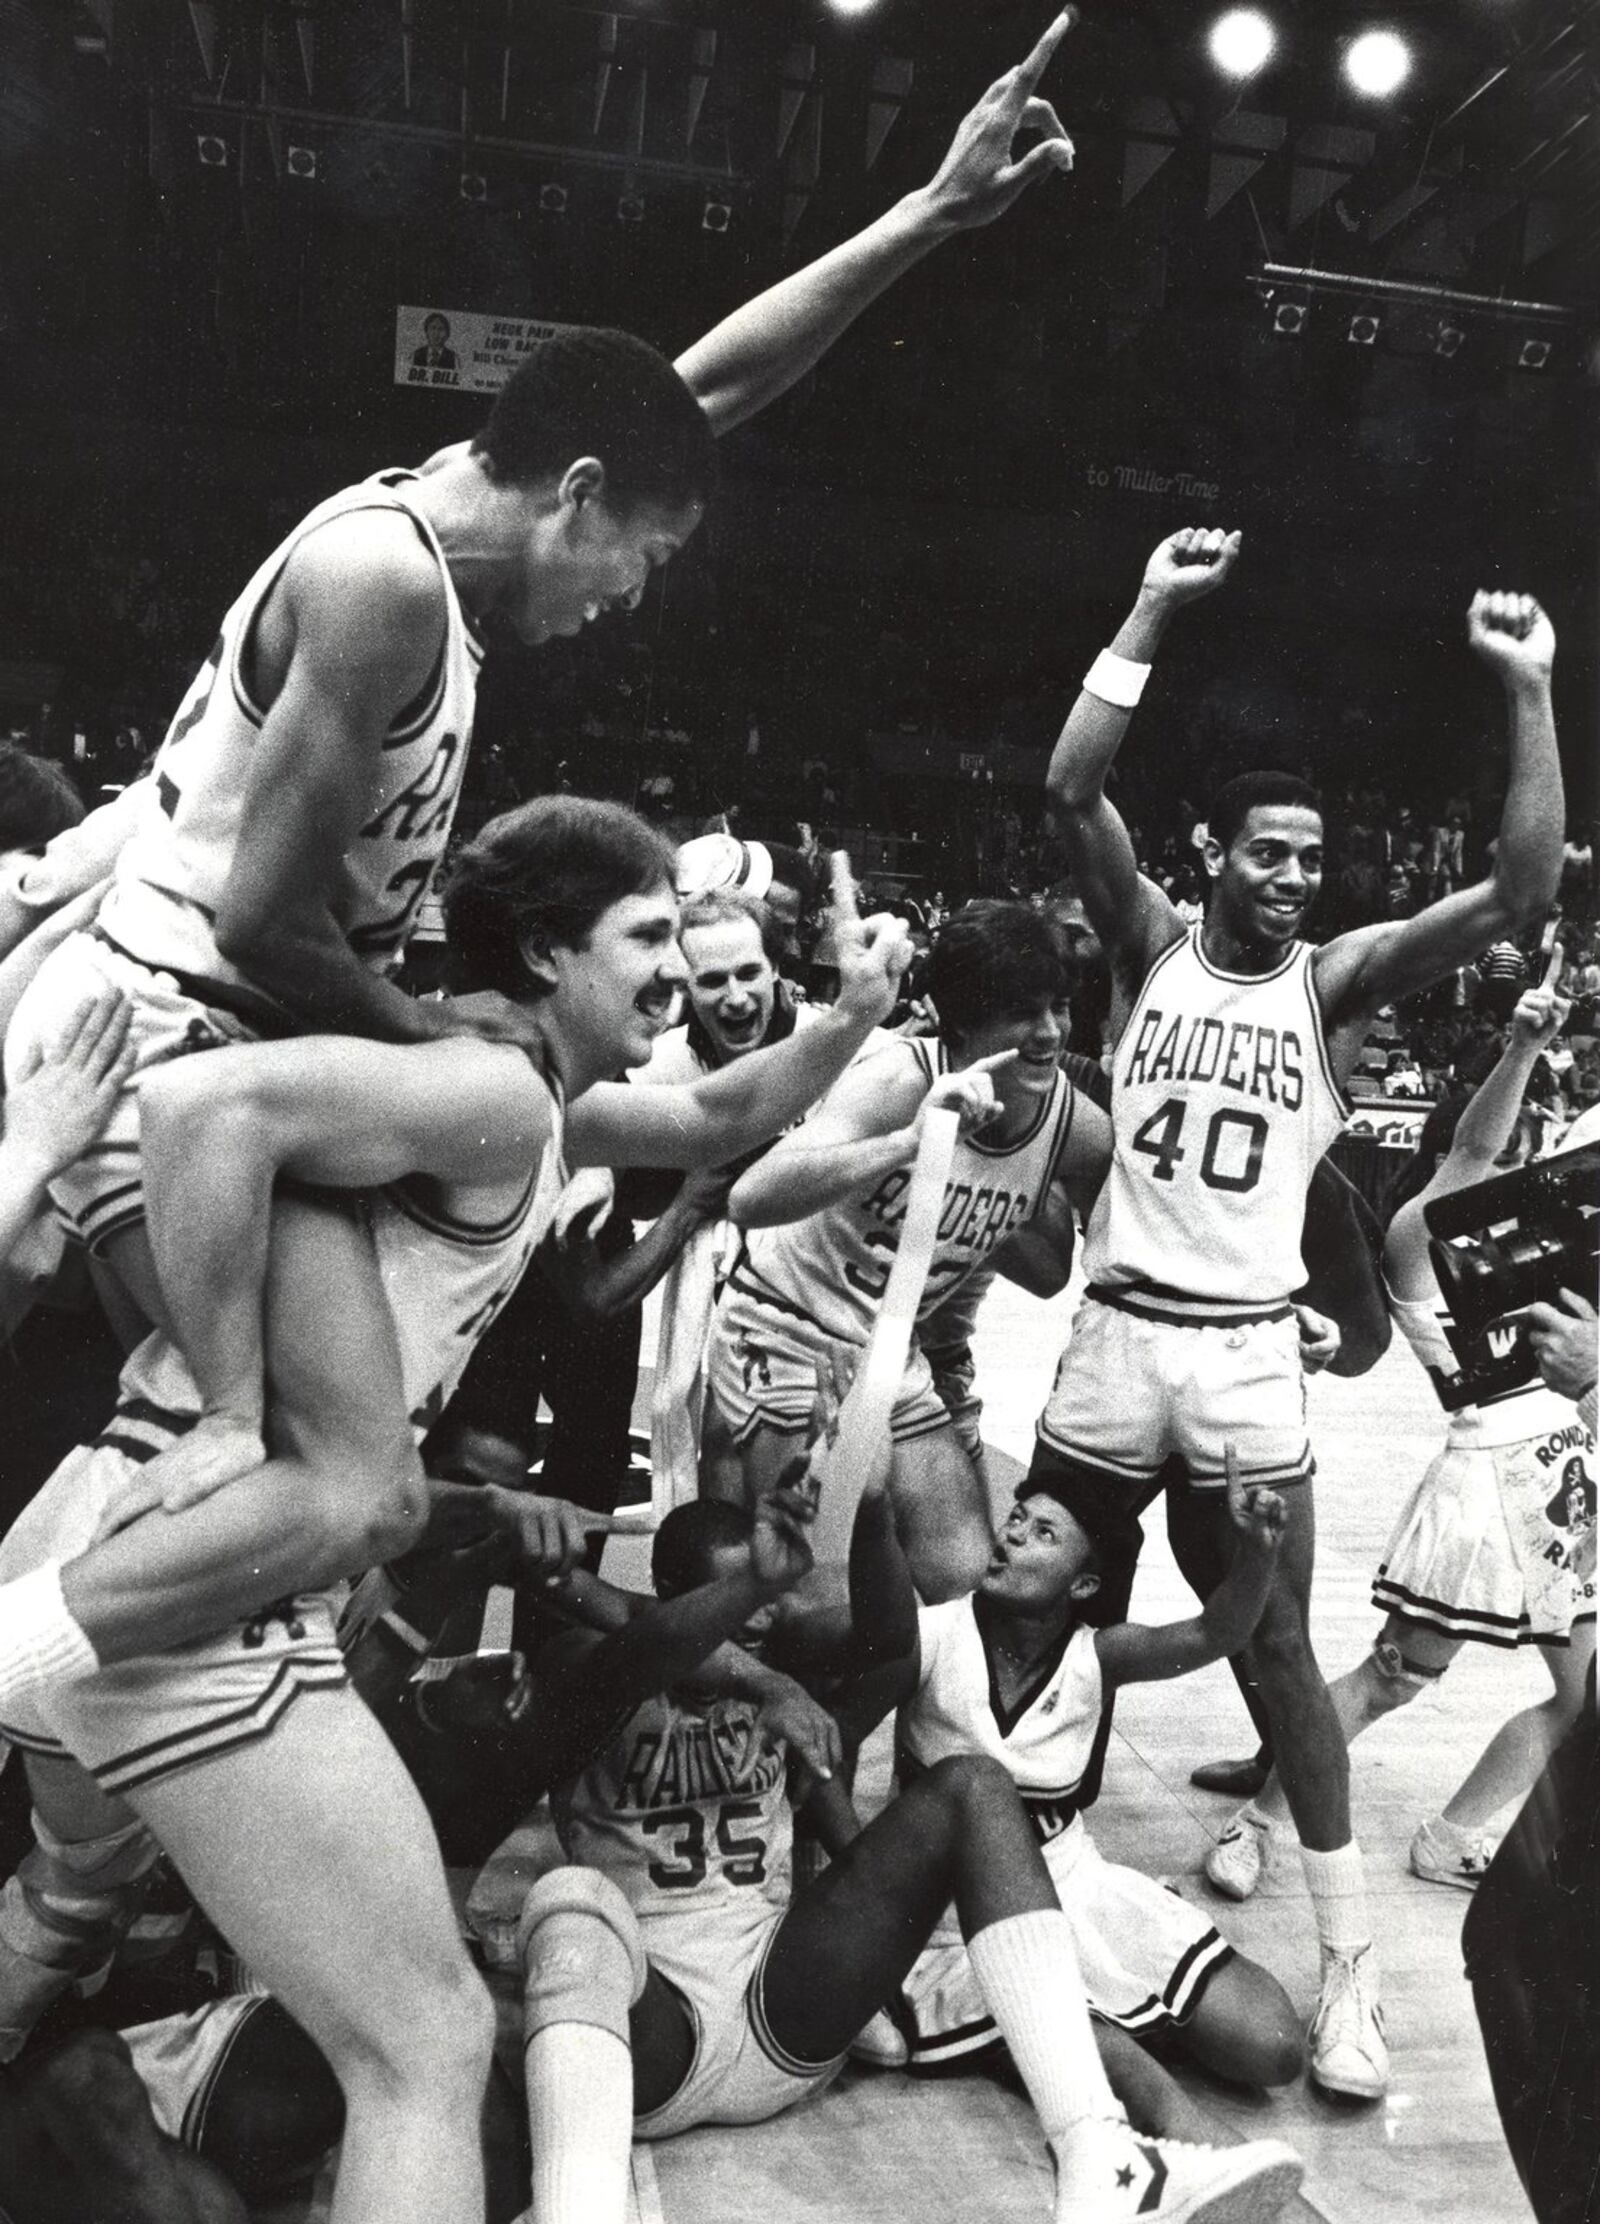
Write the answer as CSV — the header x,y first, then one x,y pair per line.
x,y
759,351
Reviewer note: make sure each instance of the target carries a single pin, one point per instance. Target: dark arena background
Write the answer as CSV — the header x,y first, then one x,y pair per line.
x,y
1324,273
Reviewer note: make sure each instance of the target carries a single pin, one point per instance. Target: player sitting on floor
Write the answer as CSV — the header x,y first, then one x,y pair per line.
x,y
1495,1543
825,1208
1018,1672
674,1979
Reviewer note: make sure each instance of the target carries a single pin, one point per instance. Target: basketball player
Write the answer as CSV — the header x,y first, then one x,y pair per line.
x,y
1014,1672
564,895
237,1750
826,1204
674,1979
1495,1544
305,791
1227,1088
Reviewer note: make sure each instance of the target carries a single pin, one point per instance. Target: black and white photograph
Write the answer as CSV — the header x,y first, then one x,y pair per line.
x,y
799,1111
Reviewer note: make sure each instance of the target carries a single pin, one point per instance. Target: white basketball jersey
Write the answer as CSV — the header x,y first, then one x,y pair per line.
x,y
1223,1100
170,877
447,1277
831,1270
665,1813
1044,1747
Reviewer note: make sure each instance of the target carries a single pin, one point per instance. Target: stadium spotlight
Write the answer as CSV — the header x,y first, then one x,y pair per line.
x,y
301,162
1377,63
553,200
851,7
473,186
716,216
1289,318
1363,332
630,209
1447,339
1533,355
1242,42
213,152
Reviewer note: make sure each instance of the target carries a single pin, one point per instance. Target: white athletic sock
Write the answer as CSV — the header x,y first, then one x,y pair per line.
x,y
580,2118
1027,1970
40,1643
1338,1888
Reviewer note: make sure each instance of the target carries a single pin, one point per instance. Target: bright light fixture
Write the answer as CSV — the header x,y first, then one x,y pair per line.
x,y
1377,63
1242,42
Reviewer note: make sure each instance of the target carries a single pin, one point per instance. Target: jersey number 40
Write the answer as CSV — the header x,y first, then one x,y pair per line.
x,y
1233,1147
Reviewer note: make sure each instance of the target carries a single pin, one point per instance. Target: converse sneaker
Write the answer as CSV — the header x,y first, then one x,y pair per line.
x,y
1446,1853
1348,2053
1242,1856
1108,2172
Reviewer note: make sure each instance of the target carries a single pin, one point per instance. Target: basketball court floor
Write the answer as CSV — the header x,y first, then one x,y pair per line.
x,y
880,2148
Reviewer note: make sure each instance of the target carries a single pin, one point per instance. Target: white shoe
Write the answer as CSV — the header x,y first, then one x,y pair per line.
x,y
1348,2052
1109,2172
881,2043
1242,1856
1444,1853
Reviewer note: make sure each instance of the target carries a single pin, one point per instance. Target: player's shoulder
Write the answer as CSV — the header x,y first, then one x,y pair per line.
x,y
368,563
941,1625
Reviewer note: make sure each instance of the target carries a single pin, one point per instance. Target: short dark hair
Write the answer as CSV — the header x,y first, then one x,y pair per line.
x,y
680,1558
1114,1536
1237,798
590,392
37,800
718,905
548,870
992,959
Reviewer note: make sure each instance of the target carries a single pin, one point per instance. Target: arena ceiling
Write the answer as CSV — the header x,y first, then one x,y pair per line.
x,y
1483,176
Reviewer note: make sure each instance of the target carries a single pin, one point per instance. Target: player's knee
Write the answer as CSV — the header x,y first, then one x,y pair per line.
x,y
1281,1645
430,2050
1272,2036
582,1955
1273,2055
1255,2035
968,1780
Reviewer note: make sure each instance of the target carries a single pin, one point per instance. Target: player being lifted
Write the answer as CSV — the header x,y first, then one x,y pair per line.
x,y
826,1206
273,866
1227,1088
242,1750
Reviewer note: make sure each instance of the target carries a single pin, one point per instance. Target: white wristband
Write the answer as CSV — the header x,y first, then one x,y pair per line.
x,y
1116,680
